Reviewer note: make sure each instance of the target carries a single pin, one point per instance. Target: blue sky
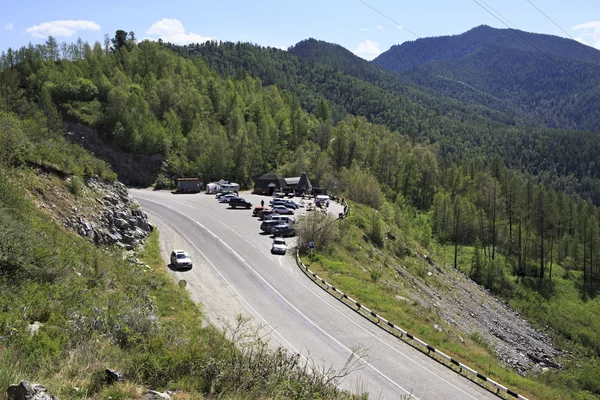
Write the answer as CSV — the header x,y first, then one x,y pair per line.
x,y
359,27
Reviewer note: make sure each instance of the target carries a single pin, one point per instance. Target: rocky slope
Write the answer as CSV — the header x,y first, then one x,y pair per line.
x,y
102,212
469,307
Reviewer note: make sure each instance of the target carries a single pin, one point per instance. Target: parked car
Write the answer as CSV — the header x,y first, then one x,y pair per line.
x,y
239,202
282,218
226,197
265,213
283,210
279,246
322,200
180,259
277,201
221,194
257,210
292,204
283,230
267,225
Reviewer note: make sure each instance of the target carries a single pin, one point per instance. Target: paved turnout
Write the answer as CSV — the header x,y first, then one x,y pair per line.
x,y
234,273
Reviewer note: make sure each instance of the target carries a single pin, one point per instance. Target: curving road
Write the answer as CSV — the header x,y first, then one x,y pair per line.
x,y
235,273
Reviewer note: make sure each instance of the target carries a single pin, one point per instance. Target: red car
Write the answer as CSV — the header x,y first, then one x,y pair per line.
x,y
263,213
257,210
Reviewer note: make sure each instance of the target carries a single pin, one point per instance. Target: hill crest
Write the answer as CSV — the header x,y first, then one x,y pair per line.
x,y
442,48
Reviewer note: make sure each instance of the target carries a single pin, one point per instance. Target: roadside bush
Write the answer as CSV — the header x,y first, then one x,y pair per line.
x,y
164,183
376,231
318,227
75,185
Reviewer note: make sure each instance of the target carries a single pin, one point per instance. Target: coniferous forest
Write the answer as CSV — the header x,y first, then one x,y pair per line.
x,y
497,175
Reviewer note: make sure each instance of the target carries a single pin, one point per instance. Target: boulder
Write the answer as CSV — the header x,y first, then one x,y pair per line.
x,y
28,391
154,395
121,223
111,376
34,328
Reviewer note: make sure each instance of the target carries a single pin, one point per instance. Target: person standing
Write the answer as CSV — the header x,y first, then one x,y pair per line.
x,y
262,203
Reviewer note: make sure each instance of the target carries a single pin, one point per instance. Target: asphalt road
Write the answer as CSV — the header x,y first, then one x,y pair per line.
x,y
234,274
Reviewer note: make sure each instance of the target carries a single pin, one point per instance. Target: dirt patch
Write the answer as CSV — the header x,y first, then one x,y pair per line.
x,y
132,169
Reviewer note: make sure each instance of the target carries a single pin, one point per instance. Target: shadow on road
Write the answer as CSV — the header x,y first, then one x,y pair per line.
x,y
172,268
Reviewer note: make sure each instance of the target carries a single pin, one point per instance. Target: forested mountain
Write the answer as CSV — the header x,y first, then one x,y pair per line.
x,y
554,81
353,86
423,51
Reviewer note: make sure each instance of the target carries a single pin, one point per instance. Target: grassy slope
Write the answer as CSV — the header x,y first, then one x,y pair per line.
x,y
99,310
368,274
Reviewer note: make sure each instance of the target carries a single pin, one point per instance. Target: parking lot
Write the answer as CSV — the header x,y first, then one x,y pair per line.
x,y
307,205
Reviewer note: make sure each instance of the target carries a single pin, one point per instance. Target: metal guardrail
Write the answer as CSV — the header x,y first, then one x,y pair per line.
x,y
400,333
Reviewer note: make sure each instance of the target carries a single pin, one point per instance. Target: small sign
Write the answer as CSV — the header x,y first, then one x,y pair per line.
x,y
311,244
335,184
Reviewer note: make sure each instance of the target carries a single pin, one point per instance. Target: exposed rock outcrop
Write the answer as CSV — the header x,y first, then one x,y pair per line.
x,y
28,391
116,219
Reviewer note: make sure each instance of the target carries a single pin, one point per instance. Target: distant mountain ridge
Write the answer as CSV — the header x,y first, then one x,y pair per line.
x,y
443,48
552,80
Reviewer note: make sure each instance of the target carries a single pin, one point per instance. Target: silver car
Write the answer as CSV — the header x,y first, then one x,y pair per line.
x,y
279,246
180,259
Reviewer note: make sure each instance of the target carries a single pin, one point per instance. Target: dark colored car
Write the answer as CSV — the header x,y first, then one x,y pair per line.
x,y
283,230
291,204
266,226
239,202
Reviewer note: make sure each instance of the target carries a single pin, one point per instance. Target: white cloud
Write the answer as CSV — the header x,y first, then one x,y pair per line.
x,y
367,50
8,26
62,28
400,27
592,29
379,27
171,30
364,29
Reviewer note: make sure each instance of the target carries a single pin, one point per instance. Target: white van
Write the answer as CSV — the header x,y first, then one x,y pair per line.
x,y
212,188
321,200
230,187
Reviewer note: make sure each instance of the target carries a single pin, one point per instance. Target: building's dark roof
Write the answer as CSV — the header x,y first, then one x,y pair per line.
x,y
303,183
270,178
